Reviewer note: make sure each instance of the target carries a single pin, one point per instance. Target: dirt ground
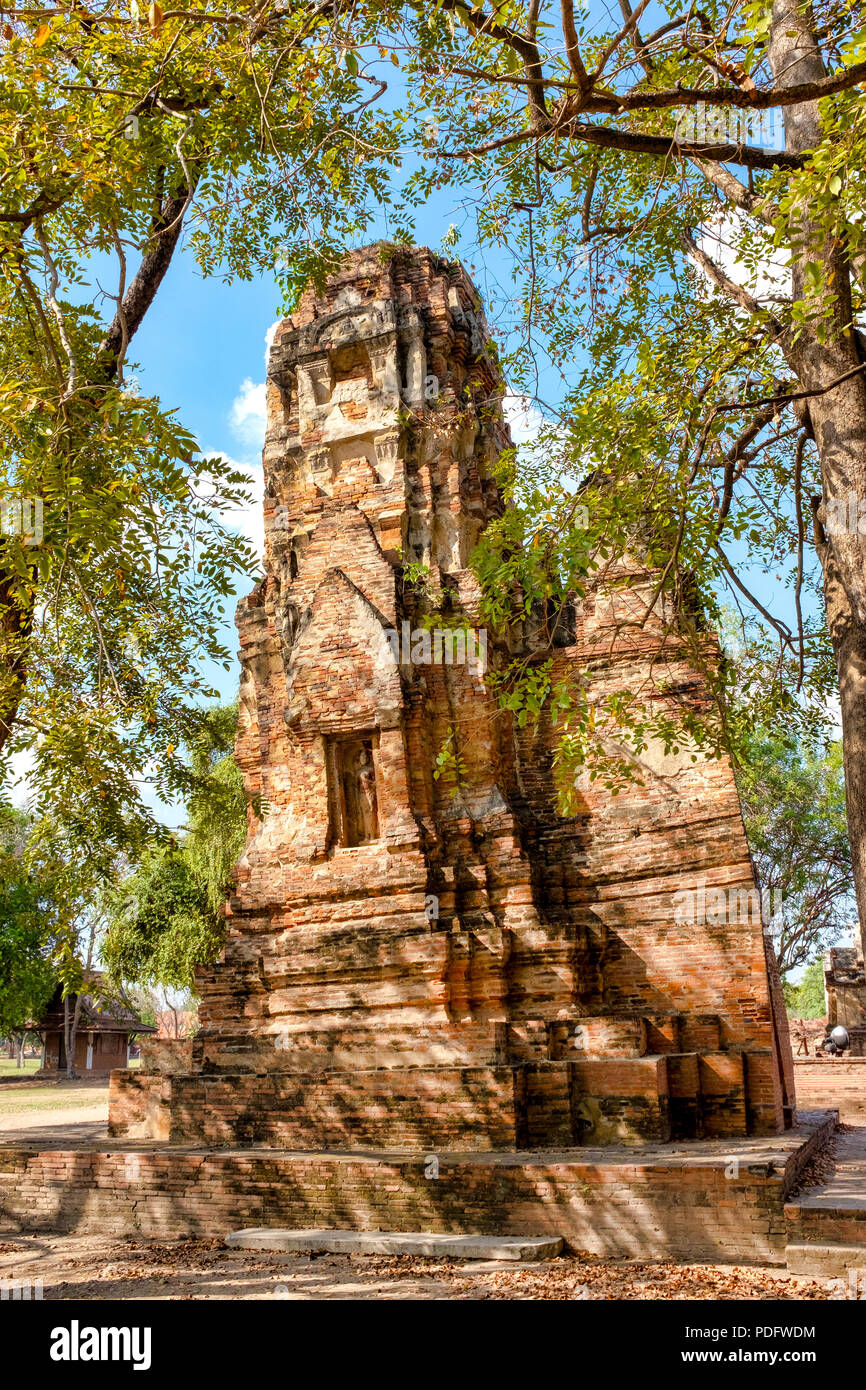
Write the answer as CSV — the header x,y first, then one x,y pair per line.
x,y
65,1110
100,1267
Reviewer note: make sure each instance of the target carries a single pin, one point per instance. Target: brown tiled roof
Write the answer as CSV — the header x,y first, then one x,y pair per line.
x,y
99,1014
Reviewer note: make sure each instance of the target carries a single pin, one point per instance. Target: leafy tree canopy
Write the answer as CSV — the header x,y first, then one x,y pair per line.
x,y
126,132
28,911
794,812
166,915
806,1000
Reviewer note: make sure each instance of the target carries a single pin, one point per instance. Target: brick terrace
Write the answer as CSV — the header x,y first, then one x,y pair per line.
x,y
675,1202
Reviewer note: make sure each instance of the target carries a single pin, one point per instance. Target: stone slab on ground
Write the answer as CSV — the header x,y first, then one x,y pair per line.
x,y
428,1243
833,1260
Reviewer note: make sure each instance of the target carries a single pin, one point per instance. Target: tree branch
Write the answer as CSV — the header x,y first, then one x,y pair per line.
x,y
783,630
733,457
737,192
638,44
146,281
43,204
730,288
53,283
630,142
630,27
572,47
794,395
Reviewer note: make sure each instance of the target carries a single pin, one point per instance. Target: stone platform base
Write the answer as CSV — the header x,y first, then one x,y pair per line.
x,y
519,1249
712,1200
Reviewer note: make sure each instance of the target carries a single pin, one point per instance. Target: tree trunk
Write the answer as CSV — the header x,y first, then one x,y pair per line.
x,y
19,1049
839,424
70,1034
849,644
15,627
837,419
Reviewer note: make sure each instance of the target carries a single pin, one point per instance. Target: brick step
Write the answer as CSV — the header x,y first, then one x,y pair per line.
x,y
445,1247
842,1222
833,1260
304,1093
828,1222
533,1104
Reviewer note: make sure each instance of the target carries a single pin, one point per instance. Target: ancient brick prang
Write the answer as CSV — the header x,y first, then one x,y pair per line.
x,y
414,960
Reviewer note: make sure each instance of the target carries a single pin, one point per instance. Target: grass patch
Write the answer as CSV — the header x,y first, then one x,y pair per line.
x,y
9,1067
50,1098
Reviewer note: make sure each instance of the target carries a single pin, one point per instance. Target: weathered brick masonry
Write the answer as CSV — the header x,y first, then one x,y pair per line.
x,y
837,1083
702,1201
414,962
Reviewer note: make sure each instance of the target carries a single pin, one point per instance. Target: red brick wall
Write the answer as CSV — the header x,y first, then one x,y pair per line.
x,y
666,1208
470,1108
838,1084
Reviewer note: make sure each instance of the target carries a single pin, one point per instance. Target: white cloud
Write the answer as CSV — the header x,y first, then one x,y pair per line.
x,y
765,273
247,416
542,444
251,522
834,715
269,338
20,783
524,419
245,521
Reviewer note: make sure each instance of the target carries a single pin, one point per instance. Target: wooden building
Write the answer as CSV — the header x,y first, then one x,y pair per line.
x,y
106,1028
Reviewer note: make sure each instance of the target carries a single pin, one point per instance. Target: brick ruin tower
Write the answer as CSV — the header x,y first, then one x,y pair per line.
x,y
413,962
